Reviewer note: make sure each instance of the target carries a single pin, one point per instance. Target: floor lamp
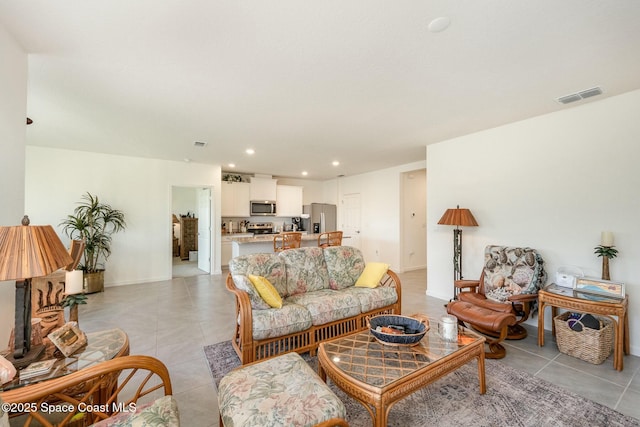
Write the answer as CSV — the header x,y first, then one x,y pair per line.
x,y
26,252
458,217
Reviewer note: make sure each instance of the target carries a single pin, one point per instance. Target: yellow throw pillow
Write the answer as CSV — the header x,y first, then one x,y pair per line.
x,y
371,275
266,290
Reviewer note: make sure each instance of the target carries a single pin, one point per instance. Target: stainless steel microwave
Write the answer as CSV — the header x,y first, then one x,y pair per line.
x,y
263,207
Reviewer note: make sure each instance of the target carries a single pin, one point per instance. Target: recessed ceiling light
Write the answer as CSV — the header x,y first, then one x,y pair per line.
x,y
305,173
439,24
250,151
335,163
232,165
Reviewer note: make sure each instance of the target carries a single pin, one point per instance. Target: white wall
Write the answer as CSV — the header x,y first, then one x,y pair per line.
x,y
13,113
56,180
184,200
553,183
380,194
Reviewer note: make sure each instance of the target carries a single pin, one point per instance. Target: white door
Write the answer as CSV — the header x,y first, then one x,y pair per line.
x,y
351,220
204,229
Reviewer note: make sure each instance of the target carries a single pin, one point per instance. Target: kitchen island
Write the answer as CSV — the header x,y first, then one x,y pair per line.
x,y
264,244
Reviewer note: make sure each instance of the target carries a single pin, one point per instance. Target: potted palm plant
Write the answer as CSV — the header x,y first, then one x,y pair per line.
x,y
95,222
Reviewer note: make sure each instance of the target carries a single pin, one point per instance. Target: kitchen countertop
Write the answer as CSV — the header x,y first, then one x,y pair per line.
x,y
269,238
263,243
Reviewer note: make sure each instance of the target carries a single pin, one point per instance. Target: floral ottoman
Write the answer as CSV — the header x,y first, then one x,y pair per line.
x,y
281,391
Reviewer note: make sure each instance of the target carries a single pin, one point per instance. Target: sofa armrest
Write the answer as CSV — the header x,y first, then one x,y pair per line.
x,y
78,390
391,279
244,321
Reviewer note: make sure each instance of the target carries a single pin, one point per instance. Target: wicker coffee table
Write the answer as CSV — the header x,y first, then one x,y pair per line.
x,y
379,375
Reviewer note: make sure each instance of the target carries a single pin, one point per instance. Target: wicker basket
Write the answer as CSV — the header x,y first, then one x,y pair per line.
x,y
591,345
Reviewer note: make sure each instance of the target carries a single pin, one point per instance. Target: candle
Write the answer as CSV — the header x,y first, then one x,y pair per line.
x,y
73,282
606,238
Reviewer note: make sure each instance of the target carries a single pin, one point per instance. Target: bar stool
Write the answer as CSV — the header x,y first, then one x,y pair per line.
x,y
330,238
288,240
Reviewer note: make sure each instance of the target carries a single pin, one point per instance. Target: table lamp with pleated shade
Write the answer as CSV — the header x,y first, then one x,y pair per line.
x,y
28,251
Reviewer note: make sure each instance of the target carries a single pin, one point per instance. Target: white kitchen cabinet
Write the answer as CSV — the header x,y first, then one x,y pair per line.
x,y
263,189
226,248
235,198
288,200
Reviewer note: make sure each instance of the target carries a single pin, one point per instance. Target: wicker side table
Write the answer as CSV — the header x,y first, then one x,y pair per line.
x,y
559,297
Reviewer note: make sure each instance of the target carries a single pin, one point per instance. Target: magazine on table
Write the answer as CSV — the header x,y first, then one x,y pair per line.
x,y
37,368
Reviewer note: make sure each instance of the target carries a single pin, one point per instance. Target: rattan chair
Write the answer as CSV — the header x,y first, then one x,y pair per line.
x,y
330,238
77,247
288,240
96,393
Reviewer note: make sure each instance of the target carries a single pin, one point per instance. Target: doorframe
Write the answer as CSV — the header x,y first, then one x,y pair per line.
x,y
403,221
213,255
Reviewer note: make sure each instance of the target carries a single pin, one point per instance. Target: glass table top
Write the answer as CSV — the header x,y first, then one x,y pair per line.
x,y
101,346
365,359
576,293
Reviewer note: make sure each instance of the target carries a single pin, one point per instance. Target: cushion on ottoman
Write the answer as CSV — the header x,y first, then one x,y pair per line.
x,y
282,391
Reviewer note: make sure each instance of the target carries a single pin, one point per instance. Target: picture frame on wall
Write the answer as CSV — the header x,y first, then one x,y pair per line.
x,y
601,287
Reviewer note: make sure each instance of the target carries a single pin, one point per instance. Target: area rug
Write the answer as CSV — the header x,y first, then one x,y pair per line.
x,y
513,398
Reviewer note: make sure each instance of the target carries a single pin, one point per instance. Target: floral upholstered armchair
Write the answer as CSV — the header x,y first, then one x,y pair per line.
x,y
503,297
125,391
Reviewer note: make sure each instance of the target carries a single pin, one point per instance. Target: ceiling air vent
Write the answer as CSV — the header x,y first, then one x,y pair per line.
x,y
590,92
569,98
573,97
199,144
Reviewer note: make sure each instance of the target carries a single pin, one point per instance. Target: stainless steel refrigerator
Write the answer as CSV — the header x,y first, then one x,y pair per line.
x,y
323,215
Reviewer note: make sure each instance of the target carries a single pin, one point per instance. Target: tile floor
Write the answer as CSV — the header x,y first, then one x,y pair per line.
x,y
172,320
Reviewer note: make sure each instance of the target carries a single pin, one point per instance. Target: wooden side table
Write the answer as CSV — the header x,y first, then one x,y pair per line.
x,y
560,297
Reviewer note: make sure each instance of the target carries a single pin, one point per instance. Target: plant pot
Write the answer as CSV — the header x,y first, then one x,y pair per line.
x,y
93,282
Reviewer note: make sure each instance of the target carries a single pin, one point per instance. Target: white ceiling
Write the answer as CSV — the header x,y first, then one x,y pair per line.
x,y
307,82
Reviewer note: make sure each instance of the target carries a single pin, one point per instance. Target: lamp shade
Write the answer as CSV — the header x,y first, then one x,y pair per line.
x,y
458,216
30,251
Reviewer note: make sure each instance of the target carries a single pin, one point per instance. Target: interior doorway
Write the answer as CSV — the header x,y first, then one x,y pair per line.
x,y
351,215
191,231
413,223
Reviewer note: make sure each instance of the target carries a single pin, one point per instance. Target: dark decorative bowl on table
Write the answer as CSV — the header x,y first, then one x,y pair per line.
x,y
405,330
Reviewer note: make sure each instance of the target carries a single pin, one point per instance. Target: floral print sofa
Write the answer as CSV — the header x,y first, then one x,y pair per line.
x,y
320,300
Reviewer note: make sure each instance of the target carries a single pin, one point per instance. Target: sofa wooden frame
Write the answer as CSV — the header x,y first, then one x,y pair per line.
x,y
250,350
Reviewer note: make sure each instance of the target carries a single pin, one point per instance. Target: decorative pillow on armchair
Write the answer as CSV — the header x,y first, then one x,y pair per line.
x,y
512,271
